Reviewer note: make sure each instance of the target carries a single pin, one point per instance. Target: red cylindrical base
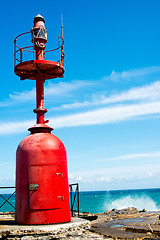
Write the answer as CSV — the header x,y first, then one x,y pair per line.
x,y
42,190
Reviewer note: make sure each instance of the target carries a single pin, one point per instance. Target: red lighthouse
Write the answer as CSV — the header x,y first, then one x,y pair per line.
x,y
42,193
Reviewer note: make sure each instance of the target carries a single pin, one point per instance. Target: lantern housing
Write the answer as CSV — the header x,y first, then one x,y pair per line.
x,y
39,33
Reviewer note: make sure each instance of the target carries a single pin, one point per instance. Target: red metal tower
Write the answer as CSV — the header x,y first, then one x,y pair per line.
x,y
42,192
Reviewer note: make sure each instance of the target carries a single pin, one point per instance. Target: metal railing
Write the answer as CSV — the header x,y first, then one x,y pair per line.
x,y
31,50
6,199
74,198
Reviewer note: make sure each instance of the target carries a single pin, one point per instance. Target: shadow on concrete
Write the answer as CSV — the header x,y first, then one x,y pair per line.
x,y
7,222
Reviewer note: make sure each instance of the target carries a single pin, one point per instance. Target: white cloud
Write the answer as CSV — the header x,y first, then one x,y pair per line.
x,y
65,88
69,89
104,179
145,175
113,173
106,115
52,89
76,105
135,155
79,178
142,101
100,116
15,127
133,73
119,177
23,96
148,92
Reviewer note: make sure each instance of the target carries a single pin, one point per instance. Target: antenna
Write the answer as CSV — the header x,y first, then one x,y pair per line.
x,y
61,26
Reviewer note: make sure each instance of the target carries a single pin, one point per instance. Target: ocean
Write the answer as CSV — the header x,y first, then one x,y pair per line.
x,y
100,201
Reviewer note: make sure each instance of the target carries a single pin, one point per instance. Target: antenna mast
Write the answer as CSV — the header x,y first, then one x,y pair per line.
x,y
61,26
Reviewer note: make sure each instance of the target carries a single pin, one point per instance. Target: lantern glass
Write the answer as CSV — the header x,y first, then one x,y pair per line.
x,y
39,33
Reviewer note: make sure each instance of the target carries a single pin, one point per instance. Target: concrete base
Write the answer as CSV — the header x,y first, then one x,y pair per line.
x,y
9,230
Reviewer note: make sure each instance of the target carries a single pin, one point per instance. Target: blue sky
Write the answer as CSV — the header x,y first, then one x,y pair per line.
x,y
106,109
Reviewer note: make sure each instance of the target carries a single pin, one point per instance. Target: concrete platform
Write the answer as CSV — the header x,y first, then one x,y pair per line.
x,y
9,230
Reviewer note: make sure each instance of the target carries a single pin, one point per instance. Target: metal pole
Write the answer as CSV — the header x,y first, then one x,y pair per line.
x,y
40,91
61,26
62,54
40,100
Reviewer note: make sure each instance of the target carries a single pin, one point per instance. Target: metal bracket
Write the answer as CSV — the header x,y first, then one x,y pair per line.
x,y
33,186
60,174
61,197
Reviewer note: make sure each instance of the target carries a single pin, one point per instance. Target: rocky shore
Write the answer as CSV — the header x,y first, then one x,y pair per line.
x,y
127,223
117,224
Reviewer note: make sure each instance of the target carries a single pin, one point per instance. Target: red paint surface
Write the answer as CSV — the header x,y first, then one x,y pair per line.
x,y
28,69
41,157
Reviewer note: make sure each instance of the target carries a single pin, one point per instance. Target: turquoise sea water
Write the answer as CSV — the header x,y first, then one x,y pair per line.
x,y
100,201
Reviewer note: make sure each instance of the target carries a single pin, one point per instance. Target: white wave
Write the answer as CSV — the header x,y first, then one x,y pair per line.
x,y
143,202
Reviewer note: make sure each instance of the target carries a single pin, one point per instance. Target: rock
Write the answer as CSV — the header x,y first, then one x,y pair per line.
x,y
90,218
107,212
85,213
129,210
114,210
144,210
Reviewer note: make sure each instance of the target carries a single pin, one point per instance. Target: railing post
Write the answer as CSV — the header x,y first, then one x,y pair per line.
x,y
33,51
59,49
15,49
21,50
71,202
78,197
74,198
